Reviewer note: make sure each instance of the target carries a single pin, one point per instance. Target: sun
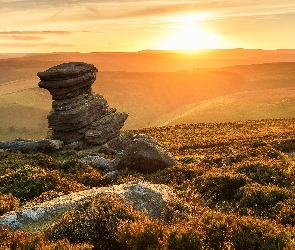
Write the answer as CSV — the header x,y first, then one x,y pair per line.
x,y
189,35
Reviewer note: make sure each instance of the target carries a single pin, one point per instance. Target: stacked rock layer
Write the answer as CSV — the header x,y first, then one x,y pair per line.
x,y
77,113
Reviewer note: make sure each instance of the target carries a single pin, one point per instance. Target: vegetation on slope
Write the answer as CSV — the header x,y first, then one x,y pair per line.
x,y
245,92
235,183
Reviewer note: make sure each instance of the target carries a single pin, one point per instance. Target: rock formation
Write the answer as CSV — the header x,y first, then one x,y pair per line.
x,y
144,155
143,196
31,146
77,113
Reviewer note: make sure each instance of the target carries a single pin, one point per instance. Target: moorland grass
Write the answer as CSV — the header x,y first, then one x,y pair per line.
x,y
234,183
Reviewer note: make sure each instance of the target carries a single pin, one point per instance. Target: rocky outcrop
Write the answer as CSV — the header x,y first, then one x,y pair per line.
x,y
32,146
144,155
105,128
143,196
77,113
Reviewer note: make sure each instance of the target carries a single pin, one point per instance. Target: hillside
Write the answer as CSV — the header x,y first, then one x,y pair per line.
x,y
235,181
241,106
232,93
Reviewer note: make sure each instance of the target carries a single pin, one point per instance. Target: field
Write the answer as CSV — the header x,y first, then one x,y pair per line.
x,y
234,183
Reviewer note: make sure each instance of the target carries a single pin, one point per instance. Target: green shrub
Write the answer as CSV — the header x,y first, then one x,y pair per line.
x,y
8,203
216,185
249,233
286,214
258,200
71,166
175,175
29,182
216,235
15,240
143,234
25,183
94,222
265,173
184,237
175,211
12,161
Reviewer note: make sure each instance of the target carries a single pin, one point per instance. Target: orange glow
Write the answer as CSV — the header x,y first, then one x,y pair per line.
x,y
189,35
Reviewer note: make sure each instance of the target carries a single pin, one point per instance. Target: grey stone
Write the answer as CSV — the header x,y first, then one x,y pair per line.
x,y
78,116
112,175
121,142
144,196
32,146
145,155
105,128
65,71
99,162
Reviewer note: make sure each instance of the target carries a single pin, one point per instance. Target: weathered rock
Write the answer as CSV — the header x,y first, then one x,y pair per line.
x,y
68,80
65,71
99,162
31,146
106,127
67,137
145,155
112,175
77,113
67,118
121,142
143,196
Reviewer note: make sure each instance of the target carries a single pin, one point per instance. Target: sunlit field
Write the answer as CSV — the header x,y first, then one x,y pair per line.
x,y
234,184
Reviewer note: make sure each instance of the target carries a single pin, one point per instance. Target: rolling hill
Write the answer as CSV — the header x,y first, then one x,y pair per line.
x,y
166,96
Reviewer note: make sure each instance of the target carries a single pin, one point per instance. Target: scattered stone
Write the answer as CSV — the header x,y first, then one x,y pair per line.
x,y
99,162
143,196
144,155
112,175
121,142
32,146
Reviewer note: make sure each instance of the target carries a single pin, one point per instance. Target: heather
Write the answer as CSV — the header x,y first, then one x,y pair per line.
x,y
234,186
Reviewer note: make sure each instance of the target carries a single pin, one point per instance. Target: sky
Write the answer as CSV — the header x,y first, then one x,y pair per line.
x,y
28,26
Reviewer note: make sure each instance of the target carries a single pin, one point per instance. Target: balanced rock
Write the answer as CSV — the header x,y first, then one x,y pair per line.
x,y
77,113
145,155
68,79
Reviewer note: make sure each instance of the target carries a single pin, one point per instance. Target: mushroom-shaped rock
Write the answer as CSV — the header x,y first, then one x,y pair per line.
x,y
68,79
145,155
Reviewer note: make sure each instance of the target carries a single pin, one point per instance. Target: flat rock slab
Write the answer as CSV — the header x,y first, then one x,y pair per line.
x,y
65,71
143,196
32,146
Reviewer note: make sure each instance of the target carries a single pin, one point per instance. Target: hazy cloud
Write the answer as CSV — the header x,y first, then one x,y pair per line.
x,y
27,38
34,32
35,45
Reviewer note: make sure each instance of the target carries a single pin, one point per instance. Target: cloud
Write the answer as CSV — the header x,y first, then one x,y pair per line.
x,y
35,45
35,32
16,37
